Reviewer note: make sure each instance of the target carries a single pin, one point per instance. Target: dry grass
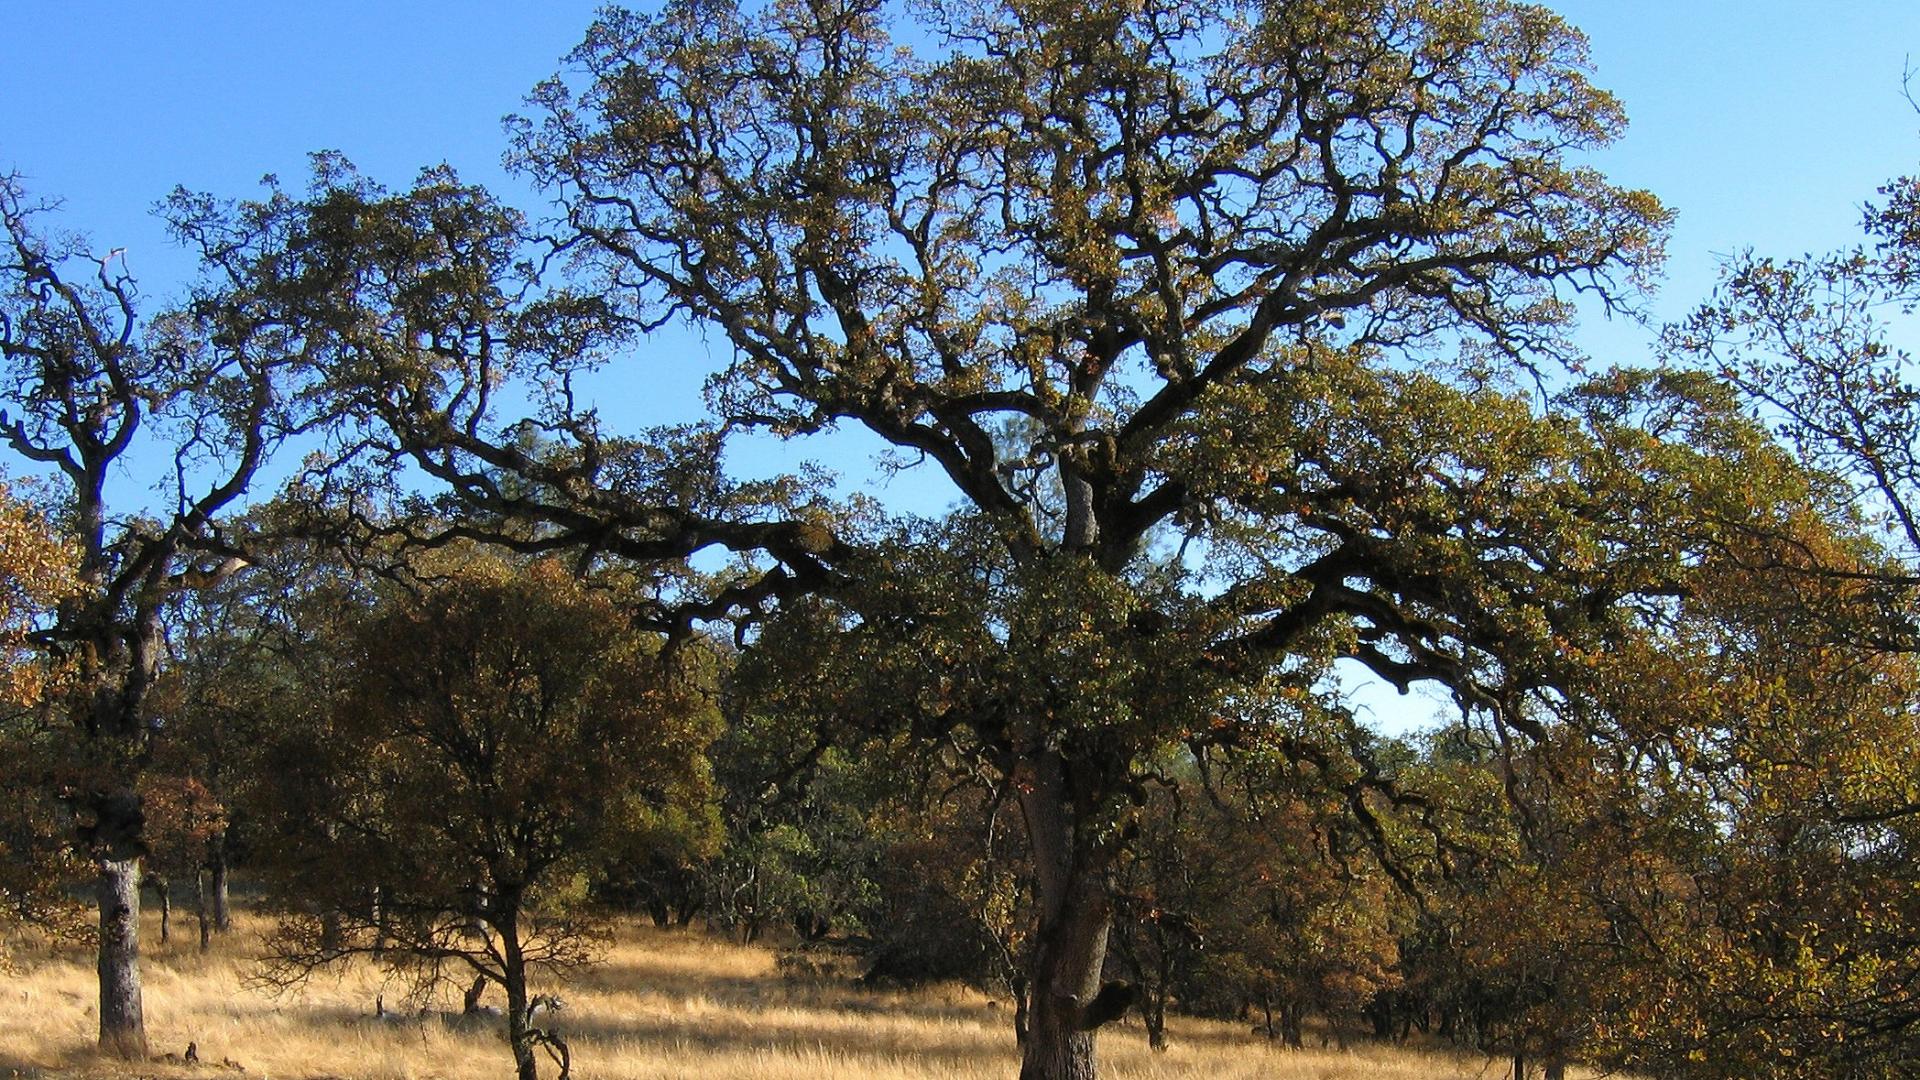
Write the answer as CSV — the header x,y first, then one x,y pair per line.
x,y
663,1005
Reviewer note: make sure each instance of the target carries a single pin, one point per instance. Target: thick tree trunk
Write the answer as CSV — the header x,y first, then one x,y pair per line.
x,y
1556,1068
1067,1001
1056,1048
123,1030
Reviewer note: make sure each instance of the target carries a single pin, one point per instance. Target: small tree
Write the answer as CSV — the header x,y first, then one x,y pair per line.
x,y
184,820
506,729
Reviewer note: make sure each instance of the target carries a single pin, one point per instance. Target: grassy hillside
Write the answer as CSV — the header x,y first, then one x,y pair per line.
x,y
664,1005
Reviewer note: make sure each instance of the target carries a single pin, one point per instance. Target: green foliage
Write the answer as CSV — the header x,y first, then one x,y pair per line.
x,y
503,735
1240,332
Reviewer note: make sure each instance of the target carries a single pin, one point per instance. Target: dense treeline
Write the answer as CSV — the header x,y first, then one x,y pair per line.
x,y
1240,334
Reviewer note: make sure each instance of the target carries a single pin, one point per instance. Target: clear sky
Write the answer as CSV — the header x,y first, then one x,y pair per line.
x,y
1766,123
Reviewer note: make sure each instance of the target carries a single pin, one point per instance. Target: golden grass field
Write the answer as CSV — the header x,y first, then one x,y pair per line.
x,y
662,1005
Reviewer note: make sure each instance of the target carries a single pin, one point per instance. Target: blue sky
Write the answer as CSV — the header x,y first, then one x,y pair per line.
x,y
1766,123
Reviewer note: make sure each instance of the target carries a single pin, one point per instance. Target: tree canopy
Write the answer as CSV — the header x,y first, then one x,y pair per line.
x,y
1240,334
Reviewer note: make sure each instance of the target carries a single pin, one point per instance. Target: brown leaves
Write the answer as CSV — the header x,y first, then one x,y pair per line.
x,y
37,573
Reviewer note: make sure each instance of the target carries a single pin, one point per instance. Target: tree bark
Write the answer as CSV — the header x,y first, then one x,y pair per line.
x,y
1293,1024
380,930
217,870
164,895
470,1001
123,1029
1157,1023
200,909
514,967
1071,943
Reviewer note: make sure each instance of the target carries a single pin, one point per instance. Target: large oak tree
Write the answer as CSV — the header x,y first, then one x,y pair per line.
x,y
1218,319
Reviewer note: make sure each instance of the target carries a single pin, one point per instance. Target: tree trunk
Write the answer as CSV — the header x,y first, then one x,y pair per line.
x,y
1156,999
1556,1068
470,1001
1156,1015
379,920
200,909
1056,1048
1380,1012
519,1034
1021,1000
123,1029
1520,1065
1068,1003
164,894
811,927
1292,1024
683,917
217,869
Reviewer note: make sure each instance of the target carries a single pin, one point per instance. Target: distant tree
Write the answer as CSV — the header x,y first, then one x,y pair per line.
x,y
664,866
1814,343
799,844
1311,931
1777,943
1166,888
250,659
183,821
950,895
504,732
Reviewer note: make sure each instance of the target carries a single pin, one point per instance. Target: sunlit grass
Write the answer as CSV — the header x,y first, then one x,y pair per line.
x,y
662,1005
